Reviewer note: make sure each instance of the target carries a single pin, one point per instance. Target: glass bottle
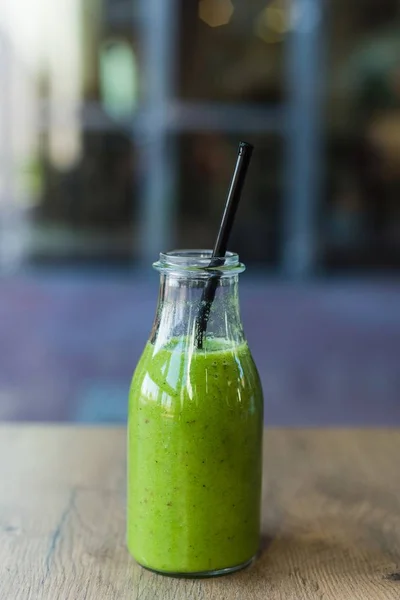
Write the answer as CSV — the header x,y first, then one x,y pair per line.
x,y
195,428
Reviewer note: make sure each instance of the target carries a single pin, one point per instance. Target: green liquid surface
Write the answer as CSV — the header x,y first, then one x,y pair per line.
x,y
194,457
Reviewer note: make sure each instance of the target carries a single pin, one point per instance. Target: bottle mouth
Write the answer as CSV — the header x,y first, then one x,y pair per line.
x,y
199,262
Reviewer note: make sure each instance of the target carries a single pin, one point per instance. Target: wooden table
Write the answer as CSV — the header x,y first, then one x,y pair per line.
x,y
331,519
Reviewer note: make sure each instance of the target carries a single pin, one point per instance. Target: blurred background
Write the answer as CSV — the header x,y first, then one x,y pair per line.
x,y
119,125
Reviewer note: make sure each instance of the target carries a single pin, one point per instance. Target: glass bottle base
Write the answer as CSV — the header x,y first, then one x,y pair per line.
x,y
202,574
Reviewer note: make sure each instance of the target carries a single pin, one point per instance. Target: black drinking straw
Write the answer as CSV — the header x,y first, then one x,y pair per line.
x,y
218,255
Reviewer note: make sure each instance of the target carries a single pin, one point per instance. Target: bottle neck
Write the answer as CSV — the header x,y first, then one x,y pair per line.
x,y
181,304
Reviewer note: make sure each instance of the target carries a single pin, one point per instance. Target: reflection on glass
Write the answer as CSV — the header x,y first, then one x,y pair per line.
x,y
64,59
215,12
119,78
272,24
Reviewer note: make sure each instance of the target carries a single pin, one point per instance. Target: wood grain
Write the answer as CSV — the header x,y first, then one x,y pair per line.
x,y
331,525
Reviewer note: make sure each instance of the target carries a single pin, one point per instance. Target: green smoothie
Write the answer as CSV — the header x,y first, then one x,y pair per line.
x,y
194,457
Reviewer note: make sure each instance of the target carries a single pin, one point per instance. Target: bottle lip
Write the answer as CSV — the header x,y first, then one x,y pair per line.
x,y
198,262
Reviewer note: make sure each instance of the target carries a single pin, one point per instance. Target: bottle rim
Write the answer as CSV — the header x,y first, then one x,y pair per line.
x,y
198,262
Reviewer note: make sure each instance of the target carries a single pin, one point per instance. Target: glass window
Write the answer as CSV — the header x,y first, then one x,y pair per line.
x,y
70,85
206,166
232,51
362,209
